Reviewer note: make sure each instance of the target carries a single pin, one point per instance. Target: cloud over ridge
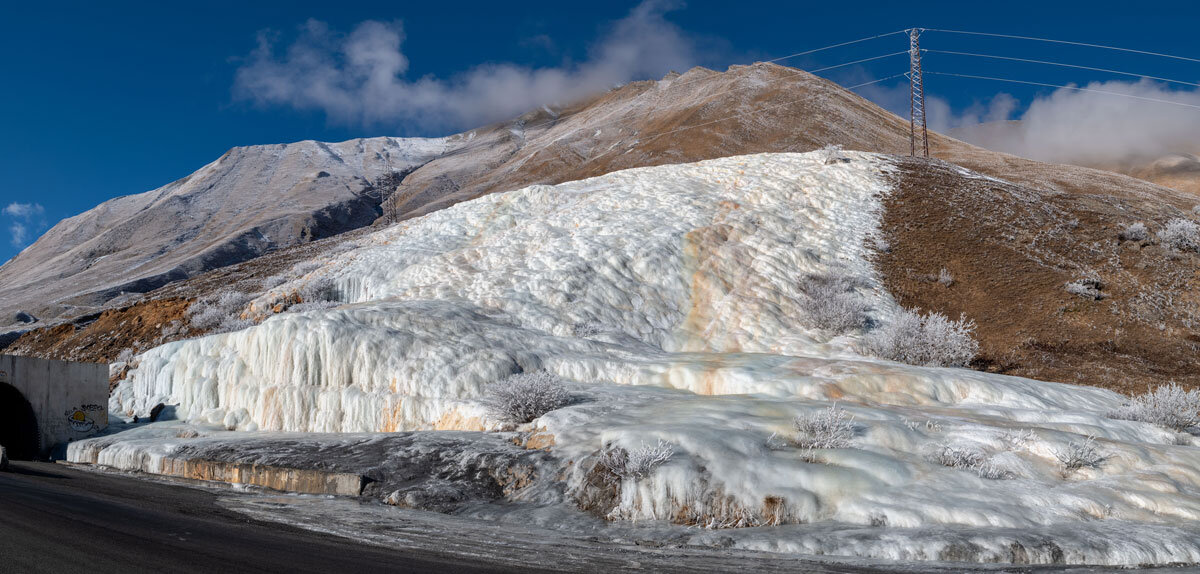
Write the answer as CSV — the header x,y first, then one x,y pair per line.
x,y
359,78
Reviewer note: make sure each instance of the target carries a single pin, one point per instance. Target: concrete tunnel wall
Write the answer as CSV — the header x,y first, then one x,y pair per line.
x,y
68,399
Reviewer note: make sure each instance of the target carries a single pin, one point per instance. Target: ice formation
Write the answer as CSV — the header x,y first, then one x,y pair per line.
x,y
669,296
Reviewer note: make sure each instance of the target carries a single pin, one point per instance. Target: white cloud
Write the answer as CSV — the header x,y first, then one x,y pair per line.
x,y
22,217
24,210
359,78
1089,127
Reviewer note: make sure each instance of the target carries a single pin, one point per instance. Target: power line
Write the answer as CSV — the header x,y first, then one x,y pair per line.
x,y
881,80
470,146
760,110
1064,65
813,51
797,73
779,59
826,68
1067,87
1068,42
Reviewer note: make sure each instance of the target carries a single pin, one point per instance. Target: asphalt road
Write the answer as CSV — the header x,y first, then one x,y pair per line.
x,y
56,518
59,519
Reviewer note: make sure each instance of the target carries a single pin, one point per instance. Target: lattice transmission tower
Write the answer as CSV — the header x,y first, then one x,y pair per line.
x,y
916,117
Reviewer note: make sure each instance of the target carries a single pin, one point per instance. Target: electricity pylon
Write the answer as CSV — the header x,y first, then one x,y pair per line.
x,y
917,90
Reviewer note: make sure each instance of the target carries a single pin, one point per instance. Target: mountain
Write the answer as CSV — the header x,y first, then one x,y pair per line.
x,y
249,201
1013,233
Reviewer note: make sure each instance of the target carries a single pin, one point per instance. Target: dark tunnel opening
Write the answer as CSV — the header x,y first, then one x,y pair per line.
x,y
18,425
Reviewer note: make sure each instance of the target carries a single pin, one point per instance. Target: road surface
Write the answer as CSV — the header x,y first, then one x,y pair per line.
x,y
59,519
56,518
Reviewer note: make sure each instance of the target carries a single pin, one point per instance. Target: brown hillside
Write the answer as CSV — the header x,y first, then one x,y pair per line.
x,y
1011,251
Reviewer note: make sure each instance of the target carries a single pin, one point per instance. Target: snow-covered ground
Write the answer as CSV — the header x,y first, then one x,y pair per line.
x,y
670,298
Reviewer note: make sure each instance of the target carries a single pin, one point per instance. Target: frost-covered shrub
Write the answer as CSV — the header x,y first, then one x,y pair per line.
x,y
929,425
956,456
970,458
1088,288
589,329
826,428
832,303
313,306
273,282
881,244
945,278
1017,439
994,469
125,355
1169,406
620,463
929,340
1077,455
1135,232
526,396
1181,235
171,330
832,153
220,313
776,442
319,290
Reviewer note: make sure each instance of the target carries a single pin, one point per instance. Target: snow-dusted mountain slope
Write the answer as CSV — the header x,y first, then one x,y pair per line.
x,y
249,201
669,297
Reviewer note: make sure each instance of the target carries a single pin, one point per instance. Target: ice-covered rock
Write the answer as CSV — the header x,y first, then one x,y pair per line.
x,y
671,299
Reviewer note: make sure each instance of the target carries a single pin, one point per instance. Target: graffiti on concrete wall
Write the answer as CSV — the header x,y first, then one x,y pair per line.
x,y
87,418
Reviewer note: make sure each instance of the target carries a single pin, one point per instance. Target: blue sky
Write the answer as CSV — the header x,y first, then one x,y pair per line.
x,y
106,100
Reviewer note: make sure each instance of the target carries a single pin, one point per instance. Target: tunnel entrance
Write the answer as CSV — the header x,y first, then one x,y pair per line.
x,y
18,425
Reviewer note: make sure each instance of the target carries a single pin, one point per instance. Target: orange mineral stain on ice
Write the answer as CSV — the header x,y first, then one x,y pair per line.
x,y
393,418
455,420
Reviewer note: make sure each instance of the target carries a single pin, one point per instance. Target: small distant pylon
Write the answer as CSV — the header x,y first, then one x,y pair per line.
x,y
916,117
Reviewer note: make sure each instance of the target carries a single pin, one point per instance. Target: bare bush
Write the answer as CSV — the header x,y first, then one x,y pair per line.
x,y
1088,288
1169,406
1079,455
620,463
832,302
526,396
930,340
826,428
1181,234
220,313
1135,232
